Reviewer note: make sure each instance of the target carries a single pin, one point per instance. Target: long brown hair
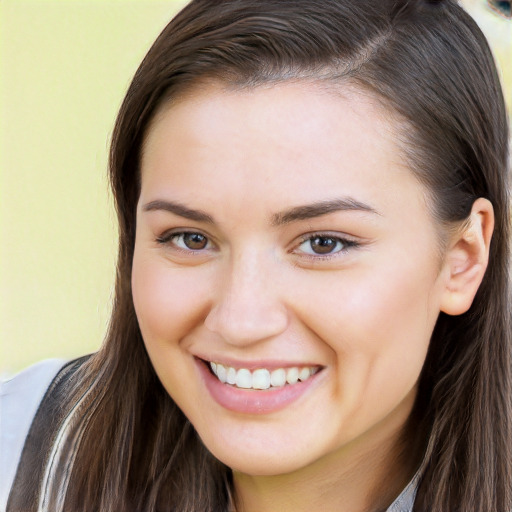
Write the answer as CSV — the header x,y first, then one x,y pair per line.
x,y
129,447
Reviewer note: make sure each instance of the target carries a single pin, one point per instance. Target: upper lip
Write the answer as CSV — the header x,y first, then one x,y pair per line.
x,y
255,364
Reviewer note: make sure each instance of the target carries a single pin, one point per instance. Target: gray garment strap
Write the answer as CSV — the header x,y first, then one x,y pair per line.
x,y
24,493
20,397
405,502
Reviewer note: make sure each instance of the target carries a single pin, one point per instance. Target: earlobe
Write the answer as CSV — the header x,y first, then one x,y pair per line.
x,y
466,260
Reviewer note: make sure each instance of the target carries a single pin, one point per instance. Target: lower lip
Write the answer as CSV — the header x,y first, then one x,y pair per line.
x,y
252,401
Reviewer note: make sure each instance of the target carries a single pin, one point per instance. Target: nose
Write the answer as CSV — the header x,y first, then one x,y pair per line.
x,y
247,306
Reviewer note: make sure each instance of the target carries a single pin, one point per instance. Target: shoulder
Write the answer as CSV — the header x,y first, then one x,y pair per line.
x,y
20,397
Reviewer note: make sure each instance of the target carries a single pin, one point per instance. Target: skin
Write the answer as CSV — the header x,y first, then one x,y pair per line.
x,y
258,291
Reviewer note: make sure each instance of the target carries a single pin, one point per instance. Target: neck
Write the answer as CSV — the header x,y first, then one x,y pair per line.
x,y
365,476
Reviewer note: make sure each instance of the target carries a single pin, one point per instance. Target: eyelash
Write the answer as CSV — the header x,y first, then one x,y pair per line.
x,y
168,238
346,243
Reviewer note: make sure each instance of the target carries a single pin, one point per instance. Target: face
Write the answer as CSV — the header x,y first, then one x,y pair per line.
x,y
286,275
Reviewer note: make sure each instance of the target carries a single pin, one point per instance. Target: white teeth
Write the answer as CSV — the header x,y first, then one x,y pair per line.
x,y
243,379
304,373
231,376
292,375
262,378
278,378
221,372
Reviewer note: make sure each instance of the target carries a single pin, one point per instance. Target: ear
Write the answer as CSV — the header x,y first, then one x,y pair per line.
x,y
466,259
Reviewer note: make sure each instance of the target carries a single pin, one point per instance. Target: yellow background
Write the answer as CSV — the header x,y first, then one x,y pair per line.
x,y
64,68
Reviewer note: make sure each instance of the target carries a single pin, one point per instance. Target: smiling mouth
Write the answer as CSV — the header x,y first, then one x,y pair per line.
x,y
261,378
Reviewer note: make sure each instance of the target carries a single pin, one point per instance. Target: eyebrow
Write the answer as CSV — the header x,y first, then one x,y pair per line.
x,y
320,208
296,213
179,209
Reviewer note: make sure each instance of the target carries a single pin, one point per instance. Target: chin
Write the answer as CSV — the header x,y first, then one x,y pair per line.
x,y
261,465
264,460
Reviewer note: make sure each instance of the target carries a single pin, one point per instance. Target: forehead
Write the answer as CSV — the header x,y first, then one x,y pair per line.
x,y
305,140
302,107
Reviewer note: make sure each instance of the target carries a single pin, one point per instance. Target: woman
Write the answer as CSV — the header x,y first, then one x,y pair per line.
x,y
312,305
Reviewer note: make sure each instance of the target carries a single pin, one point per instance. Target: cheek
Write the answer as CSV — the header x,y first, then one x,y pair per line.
x,y
371,306
378,326
393,309
169,305
168,301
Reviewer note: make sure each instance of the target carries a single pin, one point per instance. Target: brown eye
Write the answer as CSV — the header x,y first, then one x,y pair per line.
x,y
186,241
194,241
323,244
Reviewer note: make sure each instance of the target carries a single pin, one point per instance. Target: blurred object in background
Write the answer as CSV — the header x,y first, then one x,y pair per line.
x,y
502,8
494,18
